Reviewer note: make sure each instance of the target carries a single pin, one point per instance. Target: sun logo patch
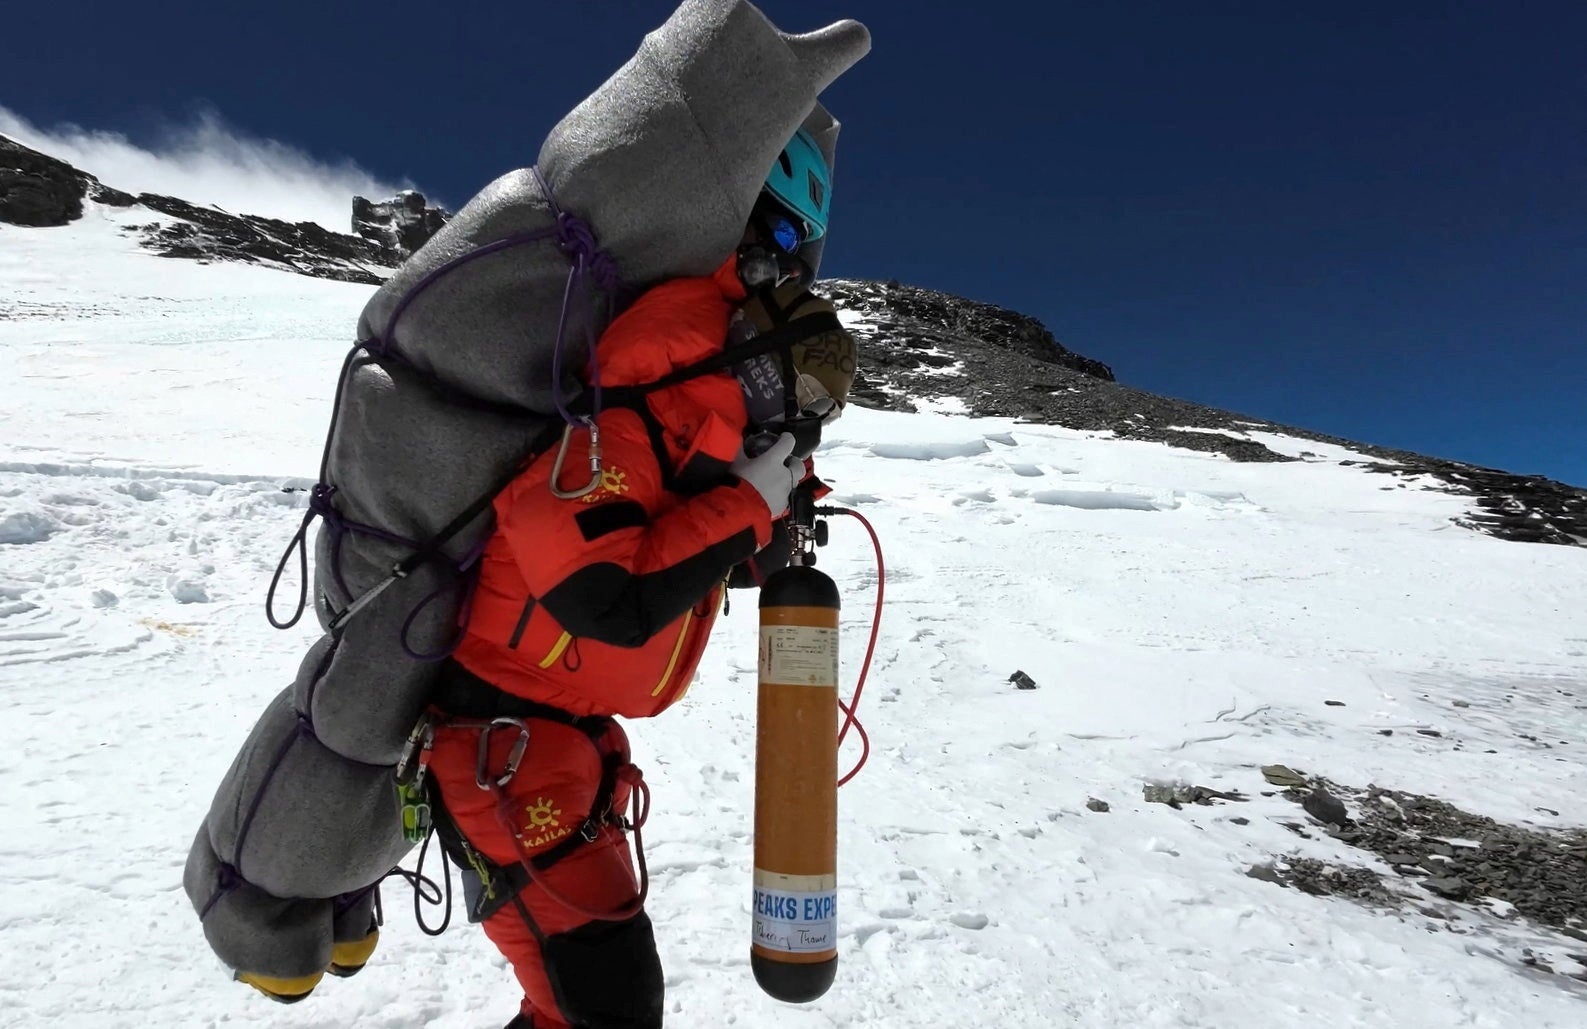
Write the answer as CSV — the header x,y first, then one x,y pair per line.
x,y
614,483
542,812
544,825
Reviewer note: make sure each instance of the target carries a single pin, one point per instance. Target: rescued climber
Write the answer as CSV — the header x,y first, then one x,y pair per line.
x,y
597,594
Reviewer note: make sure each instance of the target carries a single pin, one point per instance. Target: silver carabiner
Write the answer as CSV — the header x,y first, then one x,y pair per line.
x,y
595,463
514,757
415,753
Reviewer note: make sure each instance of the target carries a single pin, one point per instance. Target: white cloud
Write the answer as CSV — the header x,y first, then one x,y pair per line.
x,y
207,161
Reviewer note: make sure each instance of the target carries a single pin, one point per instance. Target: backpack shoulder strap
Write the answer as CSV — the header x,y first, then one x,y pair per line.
x,y
781,338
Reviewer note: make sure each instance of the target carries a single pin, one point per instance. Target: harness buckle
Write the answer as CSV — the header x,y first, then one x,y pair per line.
x,y
514,757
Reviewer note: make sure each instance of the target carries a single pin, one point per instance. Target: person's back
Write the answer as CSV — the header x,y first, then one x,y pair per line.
x,y
600,604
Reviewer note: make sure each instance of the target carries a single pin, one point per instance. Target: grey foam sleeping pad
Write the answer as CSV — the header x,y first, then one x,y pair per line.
x,y
663,162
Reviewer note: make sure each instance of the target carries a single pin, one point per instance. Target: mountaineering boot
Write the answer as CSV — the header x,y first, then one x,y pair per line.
x,y
348,957
287,991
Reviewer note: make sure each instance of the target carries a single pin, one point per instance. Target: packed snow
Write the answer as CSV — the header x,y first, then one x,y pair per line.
x,y
1186,620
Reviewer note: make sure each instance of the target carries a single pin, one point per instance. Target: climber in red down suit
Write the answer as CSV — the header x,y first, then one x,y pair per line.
x,y
600,604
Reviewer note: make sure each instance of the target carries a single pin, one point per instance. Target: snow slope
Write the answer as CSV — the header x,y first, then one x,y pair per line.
x,y
1186,618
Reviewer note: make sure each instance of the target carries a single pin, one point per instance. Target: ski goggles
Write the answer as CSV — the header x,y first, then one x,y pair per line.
x,y
788,233
781,228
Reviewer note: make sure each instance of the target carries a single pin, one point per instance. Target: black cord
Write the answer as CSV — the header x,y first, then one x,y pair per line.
x,y
426,890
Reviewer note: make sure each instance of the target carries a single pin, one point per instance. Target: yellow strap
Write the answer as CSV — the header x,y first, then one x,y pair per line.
x,y
556,651
677,648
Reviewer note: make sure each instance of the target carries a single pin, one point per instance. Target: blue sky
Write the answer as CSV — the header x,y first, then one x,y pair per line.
x,y
1364,219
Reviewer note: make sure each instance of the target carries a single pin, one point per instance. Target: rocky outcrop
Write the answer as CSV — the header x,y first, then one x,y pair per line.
x,y
402,224
1526,508
924,349
209,234
40,191
37,190
921,345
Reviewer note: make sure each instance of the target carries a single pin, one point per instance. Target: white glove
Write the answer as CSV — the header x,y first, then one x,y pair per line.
x,y
774,474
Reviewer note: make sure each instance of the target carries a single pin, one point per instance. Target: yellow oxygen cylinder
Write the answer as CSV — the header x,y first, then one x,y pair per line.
x,y
793,944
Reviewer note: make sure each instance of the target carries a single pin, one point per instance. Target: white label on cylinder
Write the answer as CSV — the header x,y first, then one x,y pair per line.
x,y
792,917
799,655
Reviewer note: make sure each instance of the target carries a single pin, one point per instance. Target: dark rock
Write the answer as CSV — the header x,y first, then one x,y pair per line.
x,y
1385,732
1240,821
37,190
1266,873
1094,804
1319,878
402,224
1325,807
1334,703
1449,887
1283,775
1175,795
206,233
1430,732
1541,876
1022,681
100,193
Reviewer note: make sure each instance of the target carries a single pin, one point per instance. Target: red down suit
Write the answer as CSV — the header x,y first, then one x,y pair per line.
x,y
600,605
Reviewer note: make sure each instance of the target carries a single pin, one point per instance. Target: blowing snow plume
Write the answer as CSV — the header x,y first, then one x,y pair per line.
x,y
208,161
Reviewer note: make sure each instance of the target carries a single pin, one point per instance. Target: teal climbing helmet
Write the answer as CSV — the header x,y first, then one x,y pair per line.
x,y
801,182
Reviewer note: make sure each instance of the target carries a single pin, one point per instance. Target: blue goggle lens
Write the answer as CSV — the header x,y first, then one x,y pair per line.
x,y
788,234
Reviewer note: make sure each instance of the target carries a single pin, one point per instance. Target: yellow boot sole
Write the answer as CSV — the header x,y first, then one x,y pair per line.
x,y
286,991
349,957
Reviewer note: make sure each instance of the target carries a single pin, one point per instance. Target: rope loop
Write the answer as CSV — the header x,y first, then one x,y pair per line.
x,y
576,239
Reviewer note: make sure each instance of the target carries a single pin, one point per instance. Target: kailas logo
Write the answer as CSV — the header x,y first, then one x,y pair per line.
x,y
543,812
614,483
543,824
818,192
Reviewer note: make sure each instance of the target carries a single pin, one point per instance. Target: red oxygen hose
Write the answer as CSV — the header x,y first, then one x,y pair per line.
x,y
850,719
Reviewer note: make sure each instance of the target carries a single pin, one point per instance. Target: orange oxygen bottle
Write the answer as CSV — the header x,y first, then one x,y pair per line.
x,y
793,943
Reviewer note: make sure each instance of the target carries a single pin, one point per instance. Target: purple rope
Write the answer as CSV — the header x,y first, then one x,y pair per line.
x,y
230,876
576,239
320,504
227,879
464,587
319,673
